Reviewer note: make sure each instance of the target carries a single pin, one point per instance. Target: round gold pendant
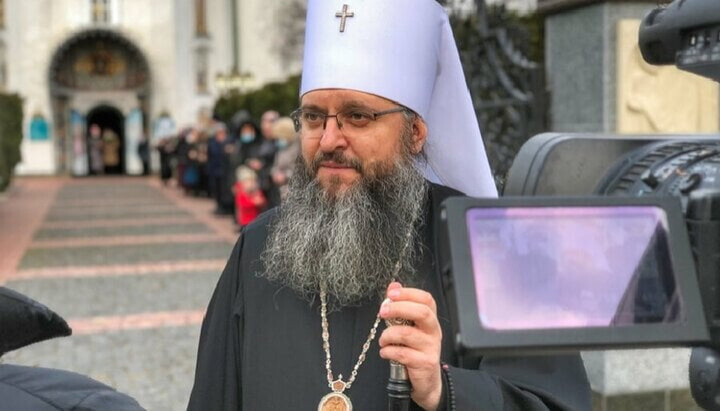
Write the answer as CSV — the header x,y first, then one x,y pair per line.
x,y
335,401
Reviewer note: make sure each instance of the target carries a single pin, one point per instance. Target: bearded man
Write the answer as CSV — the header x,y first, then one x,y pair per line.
x,y
294,318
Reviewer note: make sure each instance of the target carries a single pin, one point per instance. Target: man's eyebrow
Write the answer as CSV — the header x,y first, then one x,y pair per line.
x,y
313,107
354,104
347,105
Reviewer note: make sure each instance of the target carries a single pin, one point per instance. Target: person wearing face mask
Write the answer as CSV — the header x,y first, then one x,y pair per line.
x,y
248,135
248,143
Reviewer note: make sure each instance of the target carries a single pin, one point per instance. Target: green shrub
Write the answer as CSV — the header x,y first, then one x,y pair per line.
x,y
11,115
282,97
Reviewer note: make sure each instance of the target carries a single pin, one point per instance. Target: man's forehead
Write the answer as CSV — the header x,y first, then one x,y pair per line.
x,y
336,97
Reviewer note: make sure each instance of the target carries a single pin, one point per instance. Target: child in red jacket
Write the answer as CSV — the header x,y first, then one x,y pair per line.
x,y
249,199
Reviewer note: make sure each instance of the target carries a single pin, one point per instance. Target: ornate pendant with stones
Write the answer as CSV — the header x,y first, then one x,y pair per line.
x,y
336,400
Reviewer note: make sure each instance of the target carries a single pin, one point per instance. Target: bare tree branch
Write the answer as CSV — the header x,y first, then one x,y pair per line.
x,y
290,26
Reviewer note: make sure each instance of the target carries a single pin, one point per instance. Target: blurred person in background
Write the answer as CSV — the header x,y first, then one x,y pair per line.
x,y
248,144
252,148
166,148
143,151
111,151
97,165
267,121
236,121
181,154
249,199
219,147
202,149
288,149
191,172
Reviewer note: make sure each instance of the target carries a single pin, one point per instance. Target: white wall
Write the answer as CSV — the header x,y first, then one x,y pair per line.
x,y
29,32
151,26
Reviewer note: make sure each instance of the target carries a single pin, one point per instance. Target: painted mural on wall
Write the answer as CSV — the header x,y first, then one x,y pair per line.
x,y
100,63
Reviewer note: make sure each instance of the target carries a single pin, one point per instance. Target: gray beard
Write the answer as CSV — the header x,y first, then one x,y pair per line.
x,y
350,242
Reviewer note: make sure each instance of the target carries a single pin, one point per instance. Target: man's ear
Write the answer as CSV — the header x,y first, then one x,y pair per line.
x,y
419,135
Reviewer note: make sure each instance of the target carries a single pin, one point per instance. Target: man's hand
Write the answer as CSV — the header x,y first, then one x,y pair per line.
x,y
418,347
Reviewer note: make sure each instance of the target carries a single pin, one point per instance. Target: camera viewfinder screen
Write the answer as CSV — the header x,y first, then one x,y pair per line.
x,y
568,267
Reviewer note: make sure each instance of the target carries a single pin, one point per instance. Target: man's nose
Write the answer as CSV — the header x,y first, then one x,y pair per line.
x,y
333,137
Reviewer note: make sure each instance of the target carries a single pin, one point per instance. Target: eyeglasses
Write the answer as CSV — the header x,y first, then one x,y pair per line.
x,y
351,121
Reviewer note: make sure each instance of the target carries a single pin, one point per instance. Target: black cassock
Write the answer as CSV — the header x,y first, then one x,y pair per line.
x,y
261,347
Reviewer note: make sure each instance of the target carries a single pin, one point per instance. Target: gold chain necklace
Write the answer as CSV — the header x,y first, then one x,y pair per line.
x,y
337,400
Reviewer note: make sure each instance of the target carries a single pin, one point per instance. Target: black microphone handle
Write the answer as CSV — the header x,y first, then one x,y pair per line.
x,y
398,388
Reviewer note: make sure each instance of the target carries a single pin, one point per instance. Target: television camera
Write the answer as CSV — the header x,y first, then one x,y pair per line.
x,y
662,191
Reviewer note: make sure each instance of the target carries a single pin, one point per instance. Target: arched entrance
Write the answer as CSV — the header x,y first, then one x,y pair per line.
x,y
99,78
105,140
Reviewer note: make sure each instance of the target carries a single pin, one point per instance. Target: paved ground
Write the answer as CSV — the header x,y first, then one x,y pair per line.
x,y
130,264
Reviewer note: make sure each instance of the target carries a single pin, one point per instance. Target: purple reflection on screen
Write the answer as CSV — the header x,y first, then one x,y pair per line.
x,y
564,267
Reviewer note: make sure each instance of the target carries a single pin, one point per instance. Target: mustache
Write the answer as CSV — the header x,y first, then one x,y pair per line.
x,y
338,158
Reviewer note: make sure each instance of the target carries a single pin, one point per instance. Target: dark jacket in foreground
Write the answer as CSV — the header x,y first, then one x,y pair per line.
x,y
44,389
261,346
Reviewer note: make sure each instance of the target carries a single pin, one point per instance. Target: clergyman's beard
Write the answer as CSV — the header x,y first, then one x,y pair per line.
x,y
350,241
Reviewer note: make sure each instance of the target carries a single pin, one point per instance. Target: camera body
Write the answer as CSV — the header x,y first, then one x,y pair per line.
x,y
569,172
687,167
682,166
685,33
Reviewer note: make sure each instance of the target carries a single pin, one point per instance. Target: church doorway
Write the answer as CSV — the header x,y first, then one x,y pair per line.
x,y
106,140
100,92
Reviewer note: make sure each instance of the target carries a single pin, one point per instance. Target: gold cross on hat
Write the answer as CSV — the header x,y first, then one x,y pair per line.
x,y
343,16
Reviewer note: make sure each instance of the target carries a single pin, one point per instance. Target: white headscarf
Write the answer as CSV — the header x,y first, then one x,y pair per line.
x,y
404,51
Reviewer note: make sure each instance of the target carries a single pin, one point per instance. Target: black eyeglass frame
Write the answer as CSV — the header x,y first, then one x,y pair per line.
x,y
295,115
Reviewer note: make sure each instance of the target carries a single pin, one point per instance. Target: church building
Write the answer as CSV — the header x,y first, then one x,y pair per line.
x,y
115,69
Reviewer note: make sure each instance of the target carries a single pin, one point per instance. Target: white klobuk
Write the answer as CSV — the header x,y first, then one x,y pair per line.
x,y
404,51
